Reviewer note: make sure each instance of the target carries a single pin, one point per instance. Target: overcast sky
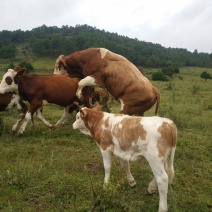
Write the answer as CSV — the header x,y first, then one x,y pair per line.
x,y
171,23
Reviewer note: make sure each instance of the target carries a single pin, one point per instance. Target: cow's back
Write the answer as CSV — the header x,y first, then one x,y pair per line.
x,y
57,89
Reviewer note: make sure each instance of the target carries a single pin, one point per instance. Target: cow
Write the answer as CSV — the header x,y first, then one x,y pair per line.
x,y
10,100
122,79
130,138
37,89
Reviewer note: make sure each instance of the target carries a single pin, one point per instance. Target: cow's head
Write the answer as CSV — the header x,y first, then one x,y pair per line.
x,y
69,65
9,81
60,66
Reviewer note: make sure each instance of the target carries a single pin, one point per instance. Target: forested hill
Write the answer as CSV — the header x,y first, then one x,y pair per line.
x,y
53,41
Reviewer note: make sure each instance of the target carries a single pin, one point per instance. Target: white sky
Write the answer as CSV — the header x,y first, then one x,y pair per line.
x,y
171,23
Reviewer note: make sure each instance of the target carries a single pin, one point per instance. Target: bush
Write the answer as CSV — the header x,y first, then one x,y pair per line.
x,y
29,67
159,76
170,70
11,66
205,75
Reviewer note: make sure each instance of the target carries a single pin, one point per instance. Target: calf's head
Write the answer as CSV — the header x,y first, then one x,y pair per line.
x,y
9,82
82,119
80,122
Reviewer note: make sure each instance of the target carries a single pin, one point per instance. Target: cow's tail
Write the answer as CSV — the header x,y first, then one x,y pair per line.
x,y
170,162
157,100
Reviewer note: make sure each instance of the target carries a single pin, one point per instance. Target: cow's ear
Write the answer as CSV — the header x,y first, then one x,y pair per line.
x,y
82,113
97,108
62,60
21,72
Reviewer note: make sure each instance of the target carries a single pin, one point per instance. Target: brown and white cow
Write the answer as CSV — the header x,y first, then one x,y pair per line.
x,y
130,138
10,100
36,89
101,67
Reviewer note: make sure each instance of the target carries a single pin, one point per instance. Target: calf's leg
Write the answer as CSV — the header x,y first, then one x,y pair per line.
x,y
126,166
107,165
152,186
161,178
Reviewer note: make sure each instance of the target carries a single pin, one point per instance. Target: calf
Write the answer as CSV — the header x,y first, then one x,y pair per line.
x,y
130,138
36,89
121,78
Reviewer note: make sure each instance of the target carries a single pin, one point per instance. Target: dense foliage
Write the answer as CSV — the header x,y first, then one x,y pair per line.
x,y
29,67
159,76
205,75
53,41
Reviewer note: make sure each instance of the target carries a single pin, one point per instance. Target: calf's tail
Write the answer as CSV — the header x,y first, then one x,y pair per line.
x,y
170,168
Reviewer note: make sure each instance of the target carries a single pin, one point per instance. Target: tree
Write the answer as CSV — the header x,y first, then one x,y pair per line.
x,y
205,75
8,52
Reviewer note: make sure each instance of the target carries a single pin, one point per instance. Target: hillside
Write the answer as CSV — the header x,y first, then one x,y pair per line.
x,y
52,41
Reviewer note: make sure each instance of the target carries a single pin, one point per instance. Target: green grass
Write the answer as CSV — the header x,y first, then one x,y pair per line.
x,y
62,169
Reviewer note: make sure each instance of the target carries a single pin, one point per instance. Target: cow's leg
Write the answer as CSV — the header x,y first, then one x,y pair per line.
x,y
21,117
27,118
34,105
64,117
72,108
87,81
126,166
107,165
40,117
22,108
161,178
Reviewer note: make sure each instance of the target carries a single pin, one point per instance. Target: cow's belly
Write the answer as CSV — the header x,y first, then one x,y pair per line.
x,y
55,102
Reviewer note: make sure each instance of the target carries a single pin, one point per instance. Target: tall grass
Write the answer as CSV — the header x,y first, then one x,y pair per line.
x,y
62,170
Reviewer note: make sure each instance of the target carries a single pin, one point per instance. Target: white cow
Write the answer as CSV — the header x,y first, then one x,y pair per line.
x,y
130,138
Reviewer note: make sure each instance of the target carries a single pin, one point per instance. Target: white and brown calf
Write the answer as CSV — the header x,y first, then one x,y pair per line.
x,y
130,138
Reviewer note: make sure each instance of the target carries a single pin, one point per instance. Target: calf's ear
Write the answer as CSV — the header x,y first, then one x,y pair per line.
x,y
82,113
97,108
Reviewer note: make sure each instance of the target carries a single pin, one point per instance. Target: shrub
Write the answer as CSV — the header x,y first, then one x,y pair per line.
x,y
205,75
159,76
29,67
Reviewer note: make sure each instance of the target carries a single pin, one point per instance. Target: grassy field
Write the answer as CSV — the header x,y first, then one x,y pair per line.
x,y
62,169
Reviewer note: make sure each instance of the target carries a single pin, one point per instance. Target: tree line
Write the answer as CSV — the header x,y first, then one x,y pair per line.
x,y
52,41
